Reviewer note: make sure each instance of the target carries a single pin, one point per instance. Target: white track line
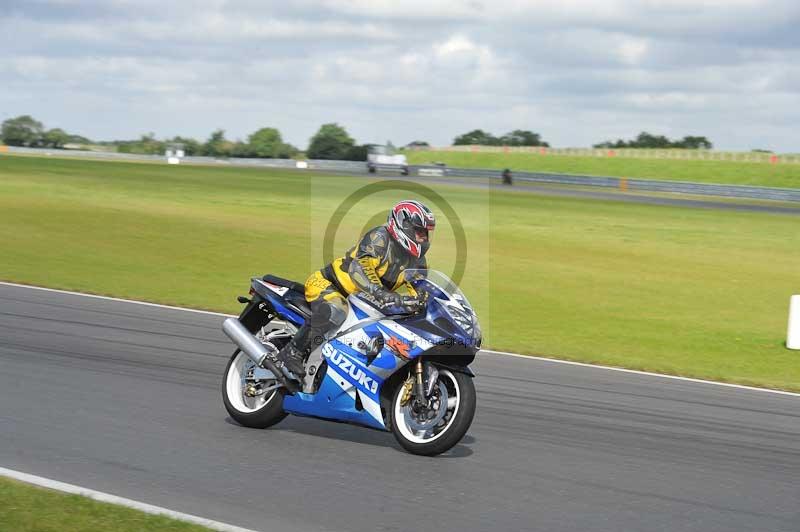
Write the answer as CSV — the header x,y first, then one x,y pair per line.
x,y
113,299
113,499
638,372
503,353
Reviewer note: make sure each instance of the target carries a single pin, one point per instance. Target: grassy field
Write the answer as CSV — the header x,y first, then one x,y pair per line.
x,y
693,292
728,172
26,508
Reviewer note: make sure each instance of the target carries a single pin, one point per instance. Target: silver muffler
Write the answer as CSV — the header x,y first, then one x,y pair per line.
x,y
249,344
258,352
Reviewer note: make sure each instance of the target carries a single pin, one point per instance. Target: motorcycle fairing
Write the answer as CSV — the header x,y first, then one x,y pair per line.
x,y
350,389
348,384
437,328
284,311
276,296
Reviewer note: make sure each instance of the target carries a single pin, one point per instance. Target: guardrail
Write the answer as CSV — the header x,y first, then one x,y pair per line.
x,y
627,184
620,183
84,153
312,164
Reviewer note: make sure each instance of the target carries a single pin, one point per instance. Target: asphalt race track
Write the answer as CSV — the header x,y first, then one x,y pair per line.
x,y
124,398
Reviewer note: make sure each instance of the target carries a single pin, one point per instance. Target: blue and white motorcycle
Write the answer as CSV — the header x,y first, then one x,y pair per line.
x,y
405,371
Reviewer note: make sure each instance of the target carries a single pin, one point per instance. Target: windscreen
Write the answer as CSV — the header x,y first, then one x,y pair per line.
x,y
436,284
380,150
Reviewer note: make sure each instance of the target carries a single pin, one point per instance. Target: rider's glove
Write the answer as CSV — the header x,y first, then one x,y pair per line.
x,y
412,304
390,300
394,303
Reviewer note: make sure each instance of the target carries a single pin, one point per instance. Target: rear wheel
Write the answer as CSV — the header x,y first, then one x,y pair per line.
x,y
251,394
438,426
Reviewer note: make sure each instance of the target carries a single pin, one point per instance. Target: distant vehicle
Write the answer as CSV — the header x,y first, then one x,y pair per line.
x,y
437,169
385,158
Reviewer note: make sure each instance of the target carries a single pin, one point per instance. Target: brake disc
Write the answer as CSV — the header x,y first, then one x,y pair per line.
x,y
428,424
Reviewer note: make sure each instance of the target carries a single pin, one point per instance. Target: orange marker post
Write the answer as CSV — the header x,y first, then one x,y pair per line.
x,y
623,184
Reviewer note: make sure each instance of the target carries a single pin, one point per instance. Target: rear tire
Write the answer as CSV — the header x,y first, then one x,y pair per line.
x,y
453,428
254,412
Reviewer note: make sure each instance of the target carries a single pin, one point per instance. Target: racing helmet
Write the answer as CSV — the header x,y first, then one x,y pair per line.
x,y
410,223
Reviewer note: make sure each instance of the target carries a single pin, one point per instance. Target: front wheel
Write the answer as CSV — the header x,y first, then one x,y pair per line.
x,y
440,425
251,394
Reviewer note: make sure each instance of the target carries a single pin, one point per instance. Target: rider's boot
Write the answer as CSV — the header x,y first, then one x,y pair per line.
x,y
293,358
294,353
310,335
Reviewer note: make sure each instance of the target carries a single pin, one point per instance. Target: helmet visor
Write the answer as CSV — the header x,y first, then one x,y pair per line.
x,y
421,235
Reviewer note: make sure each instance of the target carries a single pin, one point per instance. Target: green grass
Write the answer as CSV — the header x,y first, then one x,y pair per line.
x,y
26,508
691,292
728,172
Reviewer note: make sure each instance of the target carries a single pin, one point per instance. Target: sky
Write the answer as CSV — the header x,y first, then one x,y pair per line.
x,y
576,71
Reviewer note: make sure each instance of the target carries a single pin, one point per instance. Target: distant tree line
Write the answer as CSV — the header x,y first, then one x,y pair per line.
x,y
26,131
264,143
647,140
331,141
518,137
419,144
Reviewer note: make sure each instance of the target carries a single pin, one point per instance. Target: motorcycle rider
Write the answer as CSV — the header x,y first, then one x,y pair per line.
x,y
375,266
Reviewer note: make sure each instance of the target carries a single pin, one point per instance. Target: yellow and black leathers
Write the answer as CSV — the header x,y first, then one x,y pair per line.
x,y
376,265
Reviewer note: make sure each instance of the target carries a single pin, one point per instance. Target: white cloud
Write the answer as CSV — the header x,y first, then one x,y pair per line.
x,y
577,71
632,50
457,44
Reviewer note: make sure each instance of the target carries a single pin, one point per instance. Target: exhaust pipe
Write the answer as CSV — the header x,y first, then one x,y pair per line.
x,y
254,349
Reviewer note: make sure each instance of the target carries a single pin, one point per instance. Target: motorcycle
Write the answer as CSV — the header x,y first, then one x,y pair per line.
x,y
404,369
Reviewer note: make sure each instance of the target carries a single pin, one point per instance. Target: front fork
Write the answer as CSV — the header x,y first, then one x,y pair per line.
x,y
426,375
419,384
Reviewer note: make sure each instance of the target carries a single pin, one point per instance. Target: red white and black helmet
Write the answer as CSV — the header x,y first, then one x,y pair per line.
x,y
409,223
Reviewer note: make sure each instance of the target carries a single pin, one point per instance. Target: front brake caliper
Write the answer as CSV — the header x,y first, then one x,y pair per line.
x,y
408,387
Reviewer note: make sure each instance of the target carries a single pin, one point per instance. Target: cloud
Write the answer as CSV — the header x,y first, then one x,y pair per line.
x,y
576,71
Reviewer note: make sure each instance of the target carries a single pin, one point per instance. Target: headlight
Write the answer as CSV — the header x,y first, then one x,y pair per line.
x,y
462,318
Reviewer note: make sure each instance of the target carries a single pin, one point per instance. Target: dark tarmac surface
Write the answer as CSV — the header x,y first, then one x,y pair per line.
x,y
124,398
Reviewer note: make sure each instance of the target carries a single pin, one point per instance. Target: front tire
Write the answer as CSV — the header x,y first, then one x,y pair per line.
x,y
259,411
437,437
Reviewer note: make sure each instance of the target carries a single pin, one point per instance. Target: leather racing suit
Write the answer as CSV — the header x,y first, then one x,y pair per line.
x,y
376,265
